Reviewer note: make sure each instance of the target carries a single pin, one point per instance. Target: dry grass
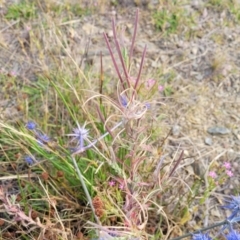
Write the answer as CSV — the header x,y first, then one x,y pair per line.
x,y
51,74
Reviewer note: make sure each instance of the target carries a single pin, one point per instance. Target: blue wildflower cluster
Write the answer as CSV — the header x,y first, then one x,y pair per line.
x,y
233,206
29,160
200,236
79,135
41,138
233,235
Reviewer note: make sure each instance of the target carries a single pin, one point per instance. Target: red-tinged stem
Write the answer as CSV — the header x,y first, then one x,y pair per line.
x,y
141,67
177,163
103,121
133,38
114,61
101,78
119,52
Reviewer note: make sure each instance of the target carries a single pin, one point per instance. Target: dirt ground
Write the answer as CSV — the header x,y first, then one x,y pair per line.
x,y
198,66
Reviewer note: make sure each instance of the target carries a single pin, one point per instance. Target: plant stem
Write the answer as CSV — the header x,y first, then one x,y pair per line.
x,y
85,190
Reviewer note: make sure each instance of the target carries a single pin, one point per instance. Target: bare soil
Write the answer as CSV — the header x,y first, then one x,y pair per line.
x,y
200,64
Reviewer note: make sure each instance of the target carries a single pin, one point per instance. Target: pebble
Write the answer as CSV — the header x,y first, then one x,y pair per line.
x,y
176,130
194,50
89,29
237,142
164,58
110,34
236,134
155,64
197,4
215,212
198,170
208,141
199,77
218,130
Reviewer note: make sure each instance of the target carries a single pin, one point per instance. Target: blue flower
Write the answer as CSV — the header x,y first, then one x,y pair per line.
x,y
80,134
43,137
148,105
123,101
234,206
31,125
200,236
233,235
29,160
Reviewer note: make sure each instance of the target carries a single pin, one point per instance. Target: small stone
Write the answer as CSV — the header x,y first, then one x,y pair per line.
x,y
218,130
155,2
198,169
215,212
110,34
208,141
236,134
155,64
89,29
205,13
226,70
176,130
189,169
197,4
199,77
237,142
194,50
164,58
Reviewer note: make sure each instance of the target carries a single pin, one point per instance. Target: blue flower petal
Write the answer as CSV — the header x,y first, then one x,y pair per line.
x,y
29,160
233,235
201,236
31,125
